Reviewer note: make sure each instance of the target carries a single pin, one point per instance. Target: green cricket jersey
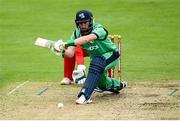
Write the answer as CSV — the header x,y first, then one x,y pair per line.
x,y
101,45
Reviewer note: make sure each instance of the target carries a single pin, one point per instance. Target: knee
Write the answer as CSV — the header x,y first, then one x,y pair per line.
x,y
98,64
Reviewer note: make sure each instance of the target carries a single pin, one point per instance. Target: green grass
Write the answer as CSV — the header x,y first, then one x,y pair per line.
x,y
150,31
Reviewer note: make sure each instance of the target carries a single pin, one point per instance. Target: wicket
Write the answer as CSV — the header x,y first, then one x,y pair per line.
x,y
111,72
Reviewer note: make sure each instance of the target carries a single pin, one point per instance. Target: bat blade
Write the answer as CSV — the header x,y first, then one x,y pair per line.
x,y
43,42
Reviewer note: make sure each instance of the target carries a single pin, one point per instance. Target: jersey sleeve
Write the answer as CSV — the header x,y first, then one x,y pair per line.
x,y
100,32
72,36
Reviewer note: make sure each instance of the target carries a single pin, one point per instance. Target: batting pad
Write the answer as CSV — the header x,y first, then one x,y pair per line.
x,y
43,42
96,68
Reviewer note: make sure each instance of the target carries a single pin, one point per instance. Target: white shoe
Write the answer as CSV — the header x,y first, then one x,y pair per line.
x,y
124,84
97,89
82,100
66,81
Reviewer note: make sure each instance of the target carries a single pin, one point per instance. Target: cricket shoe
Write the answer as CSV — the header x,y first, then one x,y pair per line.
x,y
82,100
97,89
66,81
123,85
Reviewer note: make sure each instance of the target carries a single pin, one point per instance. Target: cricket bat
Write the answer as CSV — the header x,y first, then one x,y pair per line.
x,y
44,43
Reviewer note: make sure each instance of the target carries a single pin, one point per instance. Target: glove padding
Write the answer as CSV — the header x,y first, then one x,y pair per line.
x,y
79,76
58,47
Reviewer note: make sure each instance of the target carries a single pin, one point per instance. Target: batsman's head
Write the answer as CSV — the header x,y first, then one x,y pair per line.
x,y
84,20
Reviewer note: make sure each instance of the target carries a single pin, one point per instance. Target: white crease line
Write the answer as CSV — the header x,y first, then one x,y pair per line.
x,y
17,88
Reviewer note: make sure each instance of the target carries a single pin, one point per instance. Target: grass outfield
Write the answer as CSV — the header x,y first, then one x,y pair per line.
x,y
150,31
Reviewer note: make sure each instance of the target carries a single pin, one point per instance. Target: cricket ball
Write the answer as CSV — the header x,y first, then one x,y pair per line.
x,y
60,105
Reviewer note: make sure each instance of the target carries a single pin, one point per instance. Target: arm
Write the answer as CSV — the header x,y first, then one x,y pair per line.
x,y
81,40
72,43
84,39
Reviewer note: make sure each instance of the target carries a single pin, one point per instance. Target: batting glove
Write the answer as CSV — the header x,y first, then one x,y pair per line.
x,y
58,47
79,76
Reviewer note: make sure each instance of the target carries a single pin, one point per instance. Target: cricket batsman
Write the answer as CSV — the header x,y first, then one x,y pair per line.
x,y
103,53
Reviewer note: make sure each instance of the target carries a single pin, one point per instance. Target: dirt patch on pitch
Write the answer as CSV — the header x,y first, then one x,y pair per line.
x,y
141,100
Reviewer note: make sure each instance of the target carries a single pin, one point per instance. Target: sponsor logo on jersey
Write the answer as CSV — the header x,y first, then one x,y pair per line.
x,y
91,42
95,47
